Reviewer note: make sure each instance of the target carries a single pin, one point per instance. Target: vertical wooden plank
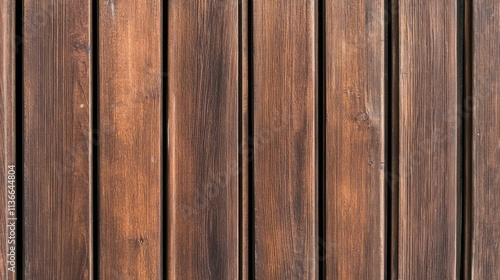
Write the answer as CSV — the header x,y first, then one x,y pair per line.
x,y
355,139
486,137
203,139
428,98
8,178
284,65
130,98
245,149
57,105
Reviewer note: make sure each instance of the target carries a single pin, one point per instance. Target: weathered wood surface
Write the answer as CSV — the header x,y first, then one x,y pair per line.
x,y
356,120
7,133
485,168
184,142
130,130
56,145
284,141
203,168
427,101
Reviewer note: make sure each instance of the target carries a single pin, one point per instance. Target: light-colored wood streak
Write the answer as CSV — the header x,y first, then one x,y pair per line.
x,y
7,126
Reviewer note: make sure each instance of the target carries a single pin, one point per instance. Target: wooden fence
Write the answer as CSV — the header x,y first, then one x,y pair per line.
x,y
250,139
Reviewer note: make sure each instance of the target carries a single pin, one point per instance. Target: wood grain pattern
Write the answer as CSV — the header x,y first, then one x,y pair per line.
x,y
355,139
428,166
285,87
203,139
486,136
239,166
57,100
130,98
245,149
7,125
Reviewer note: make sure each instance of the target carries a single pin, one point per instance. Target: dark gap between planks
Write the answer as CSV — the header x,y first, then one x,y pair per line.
x,y
393,140
164,146
322,253
251,146
95,138
19,113
466,75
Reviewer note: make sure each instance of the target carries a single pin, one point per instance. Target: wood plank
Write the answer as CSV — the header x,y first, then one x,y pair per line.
x,y
203,139
8,266
284,143
485,135
355,139
245,149
130,109
427,72
56,144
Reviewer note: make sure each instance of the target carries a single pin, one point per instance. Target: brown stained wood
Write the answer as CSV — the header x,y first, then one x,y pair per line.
x,y
355,139
57,100
284,143
203,140
130,98
7,131
427,105
485,138
245,149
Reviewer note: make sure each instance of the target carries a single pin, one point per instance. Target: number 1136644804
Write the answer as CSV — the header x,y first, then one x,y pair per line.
x,y
11,218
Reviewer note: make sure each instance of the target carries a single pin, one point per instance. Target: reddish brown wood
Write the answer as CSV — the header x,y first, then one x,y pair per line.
x,y
427,98
284,142
130,109
245,149
203,170
485,234
356,161
7,137
57,106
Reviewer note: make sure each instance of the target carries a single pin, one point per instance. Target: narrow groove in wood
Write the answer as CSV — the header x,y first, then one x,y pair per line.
x,y
389,141
322,248
19,78
164,144
461,137
95,138
251,147
393,112
467,228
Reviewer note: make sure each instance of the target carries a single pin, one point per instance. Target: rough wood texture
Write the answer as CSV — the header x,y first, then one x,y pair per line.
x,y
284,52
203,140
7,125
245,149
57,220
486,135
130,98
355,139
428,98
